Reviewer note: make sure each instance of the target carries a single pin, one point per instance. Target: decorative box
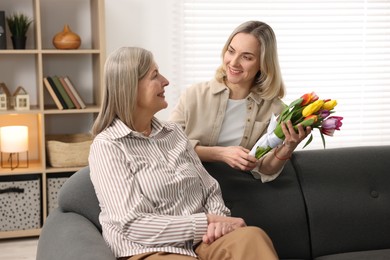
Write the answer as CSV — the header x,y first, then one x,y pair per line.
x,y
54,184
20,202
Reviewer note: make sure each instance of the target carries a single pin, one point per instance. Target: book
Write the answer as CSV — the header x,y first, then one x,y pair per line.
x,y
56,91
63,93
52,94
75,93
70,93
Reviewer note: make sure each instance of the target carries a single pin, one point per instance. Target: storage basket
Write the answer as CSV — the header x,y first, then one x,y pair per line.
x,y
54,184
20,202
68,150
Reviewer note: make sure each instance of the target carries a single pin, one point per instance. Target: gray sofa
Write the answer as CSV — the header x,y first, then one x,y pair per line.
x,y
331,204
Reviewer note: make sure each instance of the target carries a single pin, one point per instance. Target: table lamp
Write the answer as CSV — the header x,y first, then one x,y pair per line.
x,y
13,140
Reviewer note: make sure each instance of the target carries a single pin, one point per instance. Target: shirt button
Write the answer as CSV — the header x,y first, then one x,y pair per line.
x,y
248,120
249,108
245,137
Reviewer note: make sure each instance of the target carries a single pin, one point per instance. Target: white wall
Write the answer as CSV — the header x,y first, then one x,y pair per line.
x,y
143,23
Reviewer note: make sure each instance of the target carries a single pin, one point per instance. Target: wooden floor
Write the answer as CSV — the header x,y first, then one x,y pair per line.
x,y
18,249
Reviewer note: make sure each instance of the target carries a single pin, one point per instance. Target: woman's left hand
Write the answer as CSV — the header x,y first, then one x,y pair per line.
x,y
293,137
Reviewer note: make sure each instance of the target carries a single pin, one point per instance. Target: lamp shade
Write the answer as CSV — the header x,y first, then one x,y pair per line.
x,y
14,139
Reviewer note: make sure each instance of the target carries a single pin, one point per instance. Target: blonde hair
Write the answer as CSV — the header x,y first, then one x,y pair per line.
x,y
268,82
123,69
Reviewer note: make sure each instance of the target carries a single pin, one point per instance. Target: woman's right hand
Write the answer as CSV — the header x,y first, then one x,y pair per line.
x,y
219,226
238,157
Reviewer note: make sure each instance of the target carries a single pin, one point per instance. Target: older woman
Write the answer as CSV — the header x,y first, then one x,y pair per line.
x,y
157,201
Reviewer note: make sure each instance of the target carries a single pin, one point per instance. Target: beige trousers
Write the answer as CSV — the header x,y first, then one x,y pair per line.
x,y
247,243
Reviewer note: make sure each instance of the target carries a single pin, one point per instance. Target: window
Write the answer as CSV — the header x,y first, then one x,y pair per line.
x,y
340,49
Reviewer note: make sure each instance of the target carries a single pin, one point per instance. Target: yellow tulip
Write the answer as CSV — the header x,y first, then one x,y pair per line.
x,y
312,108
329,105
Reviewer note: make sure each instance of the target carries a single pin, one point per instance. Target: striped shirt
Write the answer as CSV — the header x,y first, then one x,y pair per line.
x,y
153,191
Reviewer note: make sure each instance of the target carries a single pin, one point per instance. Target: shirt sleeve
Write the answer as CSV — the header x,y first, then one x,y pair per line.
x,y
178,115
264,177
127,211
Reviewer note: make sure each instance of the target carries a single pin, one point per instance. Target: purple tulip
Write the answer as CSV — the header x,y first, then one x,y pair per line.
x,y
331,124
323,113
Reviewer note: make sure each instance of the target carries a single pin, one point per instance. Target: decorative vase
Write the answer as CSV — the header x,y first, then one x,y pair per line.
x,y
66,40
19,42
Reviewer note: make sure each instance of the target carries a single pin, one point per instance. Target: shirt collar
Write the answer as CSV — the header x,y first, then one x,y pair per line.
x,y
218,87
118,129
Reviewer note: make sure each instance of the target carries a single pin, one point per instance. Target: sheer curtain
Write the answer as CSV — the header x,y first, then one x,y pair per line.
x,y
339,49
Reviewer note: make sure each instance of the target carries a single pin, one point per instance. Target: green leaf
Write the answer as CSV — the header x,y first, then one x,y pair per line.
x,y
323,139
308,141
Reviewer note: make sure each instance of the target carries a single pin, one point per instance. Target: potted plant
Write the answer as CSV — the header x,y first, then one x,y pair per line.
x,y
18,24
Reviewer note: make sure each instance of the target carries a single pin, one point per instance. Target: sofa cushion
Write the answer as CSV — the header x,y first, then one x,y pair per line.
x,y
78,195
365,255
347,197
277,207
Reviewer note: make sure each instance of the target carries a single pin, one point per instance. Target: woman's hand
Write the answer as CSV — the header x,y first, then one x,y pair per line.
x,y
219,226
238,157
293,137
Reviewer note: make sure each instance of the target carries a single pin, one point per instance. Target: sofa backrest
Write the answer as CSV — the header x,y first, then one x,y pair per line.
x,y
347,192
277,207
78,195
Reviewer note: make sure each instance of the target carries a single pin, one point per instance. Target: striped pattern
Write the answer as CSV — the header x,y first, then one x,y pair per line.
x,y
153,191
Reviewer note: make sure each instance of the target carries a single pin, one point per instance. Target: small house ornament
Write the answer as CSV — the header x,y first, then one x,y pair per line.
x,y
21,99
5,97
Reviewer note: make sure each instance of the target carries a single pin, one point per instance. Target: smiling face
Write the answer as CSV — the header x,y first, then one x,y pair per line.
x,y
242,60
151,93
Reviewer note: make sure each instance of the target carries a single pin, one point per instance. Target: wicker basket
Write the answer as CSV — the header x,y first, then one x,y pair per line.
x,y
68,150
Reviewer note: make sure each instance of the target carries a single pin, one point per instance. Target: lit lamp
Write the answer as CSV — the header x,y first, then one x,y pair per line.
x,y
14,140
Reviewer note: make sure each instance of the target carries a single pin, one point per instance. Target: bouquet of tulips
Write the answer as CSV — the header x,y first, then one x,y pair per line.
x,y
308,110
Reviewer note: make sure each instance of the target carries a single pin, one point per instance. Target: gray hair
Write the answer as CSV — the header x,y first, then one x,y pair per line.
x,y
123,69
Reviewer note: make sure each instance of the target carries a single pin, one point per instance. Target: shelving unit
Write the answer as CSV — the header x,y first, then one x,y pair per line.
x,y
40,59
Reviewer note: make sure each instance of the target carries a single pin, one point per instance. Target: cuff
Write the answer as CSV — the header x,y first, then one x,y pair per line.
x,y
200,226
264,177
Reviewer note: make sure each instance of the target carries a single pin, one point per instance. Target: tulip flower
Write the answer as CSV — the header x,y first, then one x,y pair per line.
x,y
312,108
308,98
331,124
329,105
308,110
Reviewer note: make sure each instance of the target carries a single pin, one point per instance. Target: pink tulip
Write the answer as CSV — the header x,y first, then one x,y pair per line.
x,y
331,124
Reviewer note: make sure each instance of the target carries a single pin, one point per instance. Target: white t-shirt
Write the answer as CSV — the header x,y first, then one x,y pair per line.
x,y
233,124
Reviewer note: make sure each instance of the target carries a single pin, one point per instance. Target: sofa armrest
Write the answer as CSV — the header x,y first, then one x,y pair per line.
x,y
71,236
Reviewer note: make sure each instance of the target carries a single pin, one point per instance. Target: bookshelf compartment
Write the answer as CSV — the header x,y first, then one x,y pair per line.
x,y
56,14
75,67
34,124
20,70
27,7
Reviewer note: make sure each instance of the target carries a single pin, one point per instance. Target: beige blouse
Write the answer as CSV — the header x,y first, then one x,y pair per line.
x,y
201,110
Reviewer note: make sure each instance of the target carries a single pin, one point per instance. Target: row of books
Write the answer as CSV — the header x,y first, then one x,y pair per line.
x,y
63,92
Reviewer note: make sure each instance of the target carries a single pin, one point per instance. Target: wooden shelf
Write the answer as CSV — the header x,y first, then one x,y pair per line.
x,y
40,59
